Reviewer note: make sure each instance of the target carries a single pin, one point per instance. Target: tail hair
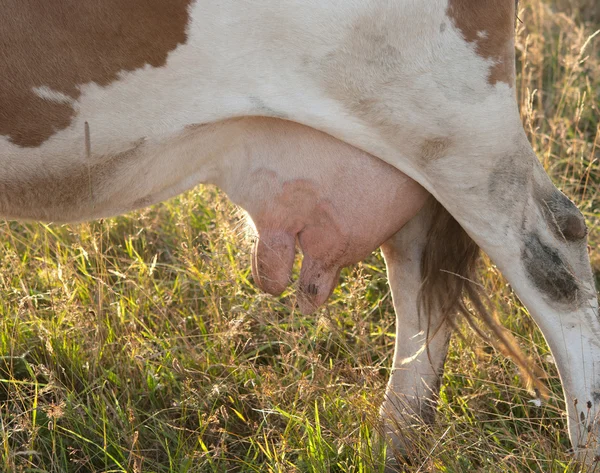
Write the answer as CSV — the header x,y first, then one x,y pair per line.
x,y
448,283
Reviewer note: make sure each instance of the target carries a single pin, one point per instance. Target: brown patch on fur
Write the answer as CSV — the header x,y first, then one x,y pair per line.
x,y
66,43
490,24
434,149
448,273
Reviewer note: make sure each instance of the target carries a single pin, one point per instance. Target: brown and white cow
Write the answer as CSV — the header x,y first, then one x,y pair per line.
x,y
101,104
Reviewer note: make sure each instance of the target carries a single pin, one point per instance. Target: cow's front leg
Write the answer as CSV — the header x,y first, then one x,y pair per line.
x,y
421,337
537,237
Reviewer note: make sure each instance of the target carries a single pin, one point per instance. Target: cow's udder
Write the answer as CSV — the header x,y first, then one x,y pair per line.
x,y
336,202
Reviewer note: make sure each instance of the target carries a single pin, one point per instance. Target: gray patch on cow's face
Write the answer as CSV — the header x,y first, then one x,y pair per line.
x,y
547,270
564,217
509,185
509,180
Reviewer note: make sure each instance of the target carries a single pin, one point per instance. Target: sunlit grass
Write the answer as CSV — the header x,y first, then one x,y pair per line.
x,y
139,344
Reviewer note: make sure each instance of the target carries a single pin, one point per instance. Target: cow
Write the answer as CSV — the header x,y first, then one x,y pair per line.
x,y
104,107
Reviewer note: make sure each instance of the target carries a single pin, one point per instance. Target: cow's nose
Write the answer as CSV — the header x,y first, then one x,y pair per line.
x,y
574,227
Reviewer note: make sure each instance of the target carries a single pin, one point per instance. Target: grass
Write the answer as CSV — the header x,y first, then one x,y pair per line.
x,y
139,344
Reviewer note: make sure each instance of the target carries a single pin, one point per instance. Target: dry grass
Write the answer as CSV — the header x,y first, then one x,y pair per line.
x,y
139,344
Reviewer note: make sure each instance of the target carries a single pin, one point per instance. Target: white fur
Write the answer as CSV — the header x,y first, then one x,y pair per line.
x,y
51,95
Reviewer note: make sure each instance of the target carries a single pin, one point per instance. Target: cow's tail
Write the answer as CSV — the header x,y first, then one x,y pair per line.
x,y
449,275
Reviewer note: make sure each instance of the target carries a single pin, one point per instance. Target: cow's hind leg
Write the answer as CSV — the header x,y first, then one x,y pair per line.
x,y
416,369
429,263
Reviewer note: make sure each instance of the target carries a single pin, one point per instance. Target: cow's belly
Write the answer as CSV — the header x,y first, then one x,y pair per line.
x,y
336,202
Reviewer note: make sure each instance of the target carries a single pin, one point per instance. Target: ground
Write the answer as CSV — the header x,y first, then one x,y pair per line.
x,y
140,344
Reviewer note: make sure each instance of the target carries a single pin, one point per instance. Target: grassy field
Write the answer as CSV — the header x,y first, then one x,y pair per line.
x,y
139,344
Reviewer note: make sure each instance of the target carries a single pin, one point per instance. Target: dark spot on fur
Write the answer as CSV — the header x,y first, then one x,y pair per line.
x,y
442,27
564,217
547,270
